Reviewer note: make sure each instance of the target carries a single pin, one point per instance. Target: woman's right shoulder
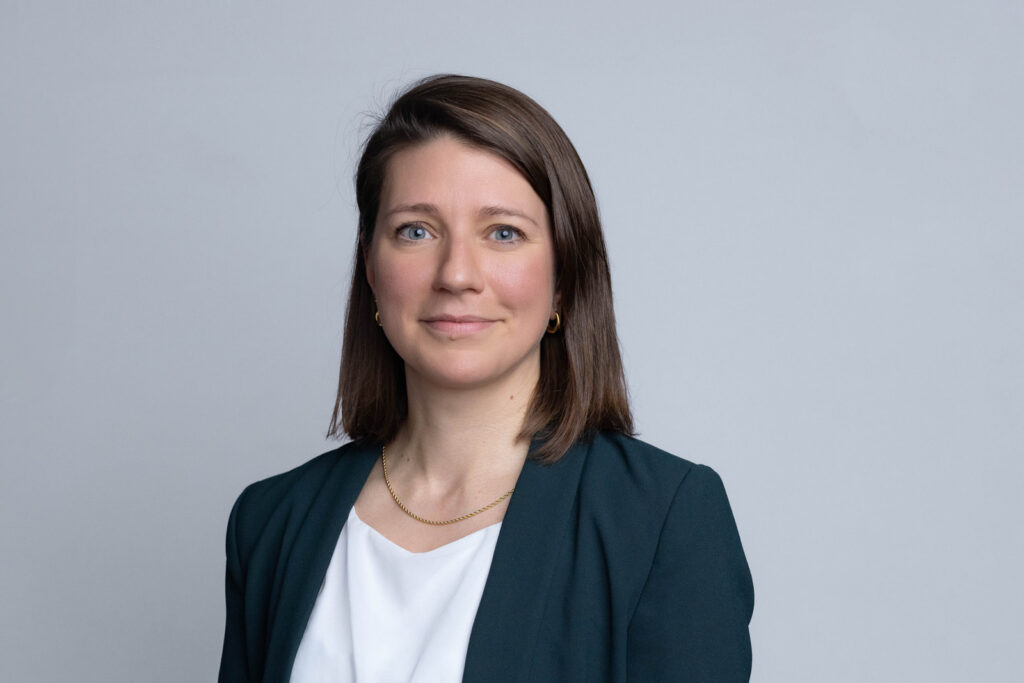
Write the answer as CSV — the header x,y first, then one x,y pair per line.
x,y
289,494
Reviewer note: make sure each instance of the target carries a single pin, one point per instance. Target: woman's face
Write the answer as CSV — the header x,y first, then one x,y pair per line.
x,y
462,266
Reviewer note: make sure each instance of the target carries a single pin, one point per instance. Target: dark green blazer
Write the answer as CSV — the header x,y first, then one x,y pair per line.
x,y
618,563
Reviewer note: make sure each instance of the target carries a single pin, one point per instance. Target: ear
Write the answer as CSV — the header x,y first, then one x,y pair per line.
x,y
556,304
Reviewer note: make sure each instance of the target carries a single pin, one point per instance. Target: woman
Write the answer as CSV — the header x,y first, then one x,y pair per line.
x,y
492,518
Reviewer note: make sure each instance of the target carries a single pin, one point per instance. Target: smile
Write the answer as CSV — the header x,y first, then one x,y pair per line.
x,y
454,326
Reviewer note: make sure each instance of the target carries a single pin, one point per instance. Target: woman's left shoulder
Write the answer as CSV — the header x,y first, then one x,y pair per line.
x,y
629,457
636,473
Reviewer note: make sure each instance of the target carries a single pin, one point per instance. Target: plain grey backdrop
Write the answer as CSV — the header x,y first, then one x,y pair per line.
x,y
814,212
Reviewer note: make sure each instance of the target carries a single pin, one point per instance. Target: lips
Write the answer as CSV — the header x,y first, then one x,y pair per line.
x,y
454,326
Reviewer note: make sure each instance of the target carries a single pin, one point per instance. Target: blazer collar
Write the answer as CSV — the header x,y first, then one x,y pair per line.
x,y
504,632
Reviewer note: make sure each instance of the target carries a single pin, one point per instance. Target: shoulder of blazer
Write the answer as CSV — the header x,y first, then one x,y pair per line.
x,y
644,500
633,476
269,504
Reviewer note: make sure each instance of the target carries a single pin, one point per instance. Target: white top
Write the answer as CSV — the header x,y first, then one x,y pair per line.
x,y
387,615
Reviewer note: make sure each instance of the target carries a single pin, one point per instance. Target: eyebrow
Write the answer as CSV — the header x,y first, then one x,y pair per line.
x,y
490,210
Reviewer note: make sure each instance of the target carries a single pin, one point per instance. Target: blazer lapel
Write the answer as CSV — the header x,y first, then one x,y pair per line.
x,y
312,547
536,524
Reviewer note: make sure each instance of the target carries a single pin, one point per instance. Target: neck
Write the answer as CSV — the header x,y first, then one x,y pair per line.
x,y
455,438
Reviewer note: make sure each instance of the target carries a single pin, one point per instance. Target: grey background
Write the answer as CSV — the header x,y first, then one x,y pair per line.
x,y
814,212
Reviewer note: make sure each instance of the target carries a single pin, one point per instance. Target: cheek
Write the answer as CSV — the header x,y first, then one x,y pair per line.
x,y
395,283
529,285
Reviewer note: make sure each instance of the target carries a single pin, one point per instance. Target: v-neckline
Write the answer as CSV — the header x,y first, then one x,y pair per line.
x,y
439,550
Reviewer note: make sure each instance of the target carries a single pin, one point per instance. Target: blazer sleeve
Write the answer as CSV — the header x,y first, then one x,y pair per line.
x,y
233,662
691,620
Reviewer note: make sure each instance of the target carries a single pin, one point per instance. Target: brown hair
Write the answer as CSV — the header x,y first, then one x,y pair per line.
x,y
582,387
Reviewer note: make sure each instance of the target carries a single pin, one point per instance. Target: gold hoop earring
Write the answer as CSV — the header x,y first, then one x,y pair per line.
x,y
555,326
376,316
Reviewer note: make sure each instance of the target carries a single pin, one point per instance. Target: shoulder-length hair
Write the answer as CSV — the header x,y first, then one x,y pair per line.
x,y
582,387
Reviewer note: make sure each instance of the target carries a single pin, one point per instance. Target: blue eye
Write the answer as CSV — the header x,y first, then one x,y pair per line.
x,y
414,233
506,234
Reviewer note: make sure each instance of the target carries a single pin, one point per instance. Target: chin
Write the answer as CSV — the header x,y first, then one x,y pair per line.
x,y
467,372
461,378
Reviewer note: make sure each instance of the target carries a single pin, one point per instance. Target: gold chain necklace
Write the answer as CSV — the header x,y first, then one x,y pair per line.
x,y
387,481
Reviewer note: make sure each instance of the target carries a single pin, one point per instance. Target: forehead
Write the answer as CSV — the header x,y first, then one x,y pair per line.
x,y
451,174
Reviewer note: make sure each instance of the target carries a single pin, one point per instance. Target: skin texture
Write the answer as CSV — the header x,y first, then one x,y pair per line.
x,y
462,266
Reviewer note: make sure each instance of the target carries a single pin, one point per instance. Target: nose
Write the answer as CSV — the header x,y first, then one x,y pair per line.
x,y
458,268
